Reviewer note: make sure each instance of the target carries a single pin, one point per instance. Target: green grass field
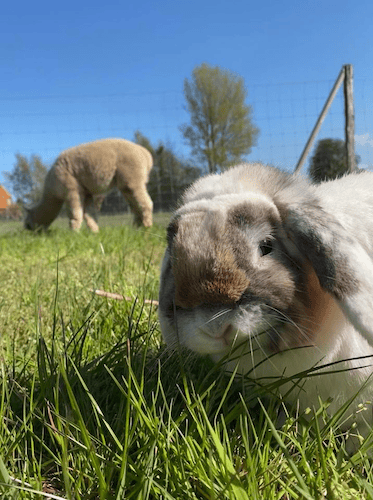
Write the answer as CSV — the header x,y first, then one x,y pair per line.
x,y
92,405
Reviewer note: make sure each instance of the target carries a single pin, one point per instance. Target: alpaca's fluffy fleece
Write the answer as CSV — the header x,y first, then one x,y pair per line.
x,y
82,176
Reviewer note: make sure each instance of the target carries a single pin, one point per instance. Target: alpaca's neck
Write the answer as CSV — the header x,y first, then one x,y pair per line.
x,y
46,210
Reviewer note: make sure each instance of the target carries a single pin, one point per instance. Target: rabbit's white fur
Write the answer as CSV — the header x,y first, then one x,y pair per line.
x,y
276,275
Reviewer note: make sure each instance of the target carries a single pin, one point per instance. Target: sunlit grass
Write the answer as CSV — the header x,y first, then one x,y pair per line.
x,y
92,406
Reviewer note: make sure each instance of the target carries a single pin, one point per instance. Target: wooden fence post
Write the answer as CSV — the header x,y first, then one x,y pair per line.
x,y
349,118
320,119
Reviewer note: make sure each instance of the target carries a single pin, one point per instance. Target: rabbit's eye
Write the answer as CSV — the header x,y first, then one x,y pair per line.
x,y
266,246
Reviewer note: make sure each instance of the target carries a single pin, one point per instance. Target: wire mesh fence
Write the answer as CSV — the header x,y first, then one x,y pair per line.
x,y
284,113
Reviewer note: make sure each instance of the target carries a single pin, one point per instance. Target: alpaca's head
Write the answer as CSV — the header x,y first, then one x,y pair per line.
x,y
30,224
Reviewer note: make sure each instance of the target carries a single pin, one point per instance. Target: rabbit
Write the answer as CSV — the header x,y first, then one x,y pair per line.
x,y
273,276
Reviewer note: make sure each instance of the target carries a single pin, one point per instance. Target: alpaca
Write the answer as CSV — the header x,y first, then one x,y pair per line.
x,y
82,176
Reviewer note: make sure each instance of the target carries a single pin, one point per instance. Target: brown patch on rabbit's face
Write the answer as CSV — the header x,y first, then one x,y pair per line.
x,y
309,310
203,263
318,302
215,258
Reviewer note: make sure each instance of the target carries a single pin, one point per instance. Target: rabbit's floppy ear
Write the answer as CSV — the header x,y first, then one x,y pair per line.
x,y
342,265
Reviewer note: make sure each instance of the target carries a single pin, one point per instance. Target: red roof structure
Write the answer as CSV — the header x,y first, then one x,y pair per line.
x,y
5,199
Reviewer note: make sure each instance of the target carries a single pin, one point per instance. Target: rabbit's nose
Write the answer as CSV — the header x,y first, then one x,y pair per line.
x,y
225,332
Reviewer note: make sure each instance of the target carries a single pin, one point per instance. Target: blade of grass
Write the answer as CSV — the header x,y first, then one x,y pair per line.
x,y
103,489
302,487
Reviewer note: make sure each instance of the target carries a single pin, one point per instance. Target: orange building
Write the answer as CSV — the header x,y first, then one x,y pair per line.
x,y
5,200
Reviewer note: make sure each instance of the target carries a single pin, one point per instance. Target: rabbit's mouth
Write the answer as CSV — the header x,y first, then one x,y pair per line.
x,y
265,338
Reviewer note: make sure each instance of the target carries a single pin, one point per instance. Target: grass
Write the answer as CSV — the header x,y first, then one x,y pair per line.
x,y
93,407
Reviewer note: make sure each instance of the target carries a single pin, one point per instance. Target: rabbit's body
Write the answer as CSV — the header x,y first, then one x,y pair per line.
x,y
275,274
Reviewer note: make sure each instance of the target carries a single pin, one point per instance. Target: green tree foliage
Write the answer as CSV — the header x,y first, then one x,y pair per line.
x,y
329,160
170,176
27,179
221,130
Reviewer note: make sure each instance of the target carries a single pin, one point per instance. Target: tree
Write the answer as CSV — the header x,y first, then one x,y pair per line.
x,y
27,179
170,176
221,129
329,160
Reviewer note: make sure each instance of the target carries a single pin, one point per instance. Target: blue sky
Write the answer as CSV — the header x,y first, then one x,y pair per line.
x,y
72,72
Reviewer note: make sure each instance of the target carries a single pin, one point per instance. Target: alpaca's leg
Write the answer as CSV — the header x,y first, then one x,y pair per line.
x,y
74,204
92,207
140,204
91,223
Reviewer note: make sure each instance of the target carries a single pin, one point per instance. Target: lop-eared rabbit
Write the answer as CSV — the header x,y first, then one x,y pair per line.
x,y
275,276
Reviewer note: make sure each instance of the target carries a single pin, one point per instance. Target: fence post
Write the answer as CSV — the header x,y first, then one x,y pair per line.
x,y
320,119
349,117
